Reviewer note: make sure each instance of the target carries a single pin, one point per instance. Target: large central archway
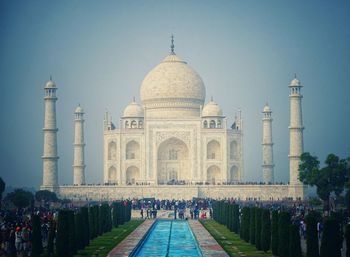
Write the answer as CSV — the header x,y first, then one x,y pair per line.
x,y
173,162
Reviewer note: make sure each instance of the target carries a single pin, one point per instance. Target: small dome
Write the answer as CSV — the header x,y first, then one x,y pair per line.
x,y
267,108
134,110
79,109
211,109
50,84
295,83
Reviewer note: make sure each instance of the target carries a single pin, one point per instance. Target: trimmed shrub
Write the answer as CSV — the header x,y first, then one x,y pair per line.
x,y
51,239
294,241
258,213
71,233
236,222
62,239
37,246
274,233
252,225
347,239
245,223
85,225
79,231
283,234
265,230
330,242
312,249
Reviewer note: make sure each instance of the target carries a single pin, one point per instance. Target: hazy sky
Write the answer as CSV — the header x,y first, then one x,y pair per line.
x,y
98,53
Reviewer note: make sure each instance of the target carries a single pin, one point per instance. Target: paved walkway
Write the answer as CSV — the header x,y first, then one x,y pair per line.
x,y
125,247
206,242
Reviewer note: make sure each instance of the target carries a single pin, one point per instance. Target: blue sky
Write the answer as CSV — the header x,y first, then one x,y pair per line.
x,y
98,52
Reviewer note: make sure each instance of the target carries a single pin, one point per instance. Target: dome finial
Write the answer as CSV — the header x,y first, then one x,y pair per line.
x,y
50,77
212,98
295,75
133,99
172,44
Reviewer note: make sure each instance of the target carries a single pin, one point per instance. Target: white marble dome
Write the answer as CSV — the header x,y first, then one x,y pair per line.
x,y
172,81
133,110
211,109
295,83
79,109
50,84
267,108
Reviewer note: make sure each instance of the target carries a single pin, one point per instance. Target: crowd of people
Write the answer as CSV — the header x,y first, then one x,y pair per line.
x,y
16,230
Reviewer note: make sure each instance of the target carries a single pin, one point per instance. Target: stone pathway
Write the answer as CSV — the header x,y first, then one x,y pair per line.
x,y
125,247
206,242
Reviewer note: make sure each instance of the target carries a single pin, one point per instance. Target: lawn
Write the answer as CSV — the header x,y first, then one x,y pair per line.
x,y
231,242
102,245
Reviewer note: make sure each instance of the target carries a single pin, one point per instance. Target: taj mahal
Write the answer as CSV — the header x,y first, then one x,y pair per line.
x,y
173,144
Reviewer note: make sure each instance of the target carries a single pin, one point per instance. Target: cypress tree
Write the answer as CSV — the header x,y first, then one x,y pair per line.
x,y
245,223
114,216
274,233
347,239
51,238
283,234
71,233
230,213
62,238
330,242
236,222
79,231
265,230
252,225
312,249
37,246
85,225
92,223
258,213
226,207
294,241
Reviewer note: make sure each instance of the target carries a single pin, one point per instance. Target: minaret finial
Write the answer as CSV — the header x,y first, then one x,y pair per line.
x,y
172,44
212,98
295,75
133,99
50,77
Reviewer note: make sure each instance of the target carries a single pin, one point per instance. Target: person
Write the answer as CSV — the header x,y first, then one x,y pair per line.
x,y
141,212
18,239
175,212
148,213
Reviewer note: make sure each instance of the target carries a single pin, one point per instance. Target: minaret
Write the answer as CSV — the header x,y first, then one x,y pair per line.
x,y
295,131
50,158
79,164
268,174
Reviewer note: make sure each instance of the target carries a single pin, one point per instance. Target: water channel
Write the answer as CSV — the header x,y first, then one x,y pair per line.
x,y
168,238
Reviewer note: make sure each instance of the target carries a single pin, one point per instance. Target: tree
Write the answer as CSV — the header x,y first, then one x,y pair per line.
x,y
62,238
265,230
20,198
274,233
294,241
330,242
331,178
71,233
252,225
37,246
46,196
79,233
245,226
283,234
51,239
312,249
235,225
347,239
258,213
2,189
86,225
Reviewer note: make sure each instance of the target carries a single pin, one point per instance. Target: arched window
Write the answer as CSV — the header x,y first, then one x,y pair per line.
x,y
205,124
212,124
132,150
172,154
112,150
213,150
126,124
134,124
219,123
233,150
140,124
